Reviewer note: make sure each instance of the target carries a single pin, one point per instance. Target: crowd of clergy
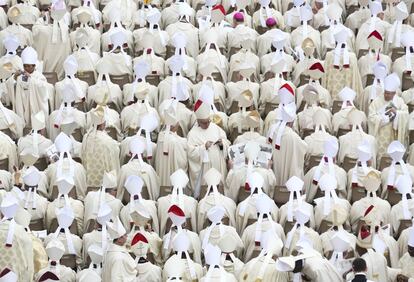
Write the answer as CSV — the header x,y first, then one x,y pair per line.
x,y
206,140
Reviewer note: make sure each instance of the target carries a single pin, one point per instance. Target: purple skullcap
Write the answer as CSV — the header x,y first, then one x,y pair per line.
x,y
270,22
239,17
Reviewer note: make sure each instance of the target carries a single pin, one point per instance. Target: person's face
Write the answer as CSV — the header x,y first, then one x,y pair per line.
x,y
122,240
29,68
203,123
388,96
410,251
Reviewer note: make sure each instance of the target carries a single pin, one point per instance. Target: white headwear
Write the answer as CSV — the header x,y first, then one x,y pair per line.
x,y
330,149
404,185
288,114
29,56
392,82
364,155
181,244
396,151
8,208
11,43
153,18
7,275
294,185
31,180
328,184
394,34
407,40
215,215
341,35
380,72
65,217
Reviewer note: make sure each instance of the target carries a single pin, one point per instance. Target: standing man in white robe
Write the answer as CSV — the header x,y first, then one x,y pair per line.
x,y
29,89
207,145
388,116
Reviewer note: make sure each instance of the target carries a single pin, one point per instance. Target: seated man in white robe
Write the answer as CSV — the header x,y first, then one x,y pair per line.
x,y
254,123
55,250
134,185
80,87
115,27
213,198
35,141
132,115
406,261
151,36
215,271
65,165
179,42
72,242
175,84
136,166
263,267
67,118
104,86
246,212
282,136
242,33
170,14
100,152
93,272
125,11
141,222
93,34
180,266
375,22
118,263
309,264
306,120
155,62
324,205
146,270
213,233
388,115
212,54
326,165
253,233
349,142
316,72
404,64
400,212
358,17
371,92
341,119
237,177
140,87
171,152
363,152
299,231
305,30
390,174
54,36
179,181
24,35
236,122
120,62
296,201
374,54
265,12
372,251
105,195
85,58
185,26
177,218
264,41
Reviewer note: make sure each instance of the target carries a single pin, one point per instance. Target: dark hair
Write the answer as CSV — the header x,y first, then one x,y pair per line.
x,y
359,265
